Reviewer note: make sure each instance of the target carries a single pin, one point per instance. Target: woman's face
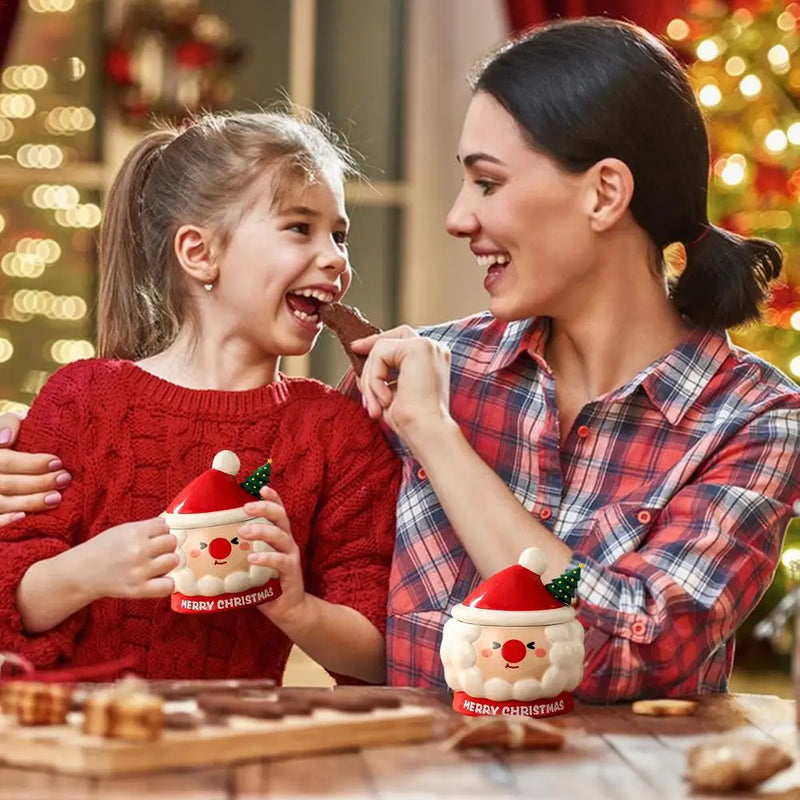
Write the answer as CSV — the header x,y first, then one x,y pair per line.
x,y
526,218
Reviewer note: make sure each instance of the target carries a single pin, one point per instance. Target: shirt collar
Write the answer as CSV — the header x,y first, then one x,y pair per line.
x,y
675,382
521,336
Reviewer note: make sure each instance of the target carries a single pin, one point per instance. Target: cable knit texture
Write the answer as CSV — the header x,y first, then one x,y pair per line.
x,y
132,441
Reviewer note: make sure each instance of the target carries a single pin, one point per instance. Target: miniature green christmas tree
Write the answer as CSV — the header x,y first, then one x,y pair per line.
x,y
257,479
563,587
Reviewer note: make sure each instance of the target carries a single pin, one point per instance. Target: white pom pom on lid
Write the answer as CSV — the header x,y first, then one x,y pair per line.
x,y
534,559
226,461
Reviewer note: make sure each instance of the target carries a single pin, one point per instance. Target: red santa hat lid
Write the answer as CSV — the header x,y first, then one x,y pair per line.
x,y
515,596
212,498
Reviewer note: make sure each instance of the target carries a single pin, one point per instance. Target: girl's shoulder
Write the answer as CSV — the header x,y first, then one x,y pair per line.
x,y
86,373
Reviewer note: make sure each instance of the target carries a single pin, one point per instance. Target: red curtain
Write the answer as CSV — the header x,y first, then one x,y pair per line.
x,y
8,13
652,14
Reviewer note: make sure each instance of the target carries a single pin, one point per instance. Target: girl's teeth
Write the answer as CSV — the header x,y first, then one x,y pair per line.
x,y
302,315
323,297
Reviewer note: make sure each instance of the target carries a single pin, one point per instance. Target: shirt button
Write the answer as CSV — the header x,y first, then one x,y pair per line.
x,y
638,628
545,513
644,517
583,432
422,475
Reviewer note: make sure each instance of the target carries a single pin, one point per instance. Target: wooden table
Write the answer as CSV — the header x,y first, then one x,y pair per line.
x,y
610,753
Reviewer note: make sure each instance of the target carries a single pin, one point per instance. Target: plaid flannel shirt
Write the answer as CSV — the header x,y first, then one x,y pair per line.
x,y
674,492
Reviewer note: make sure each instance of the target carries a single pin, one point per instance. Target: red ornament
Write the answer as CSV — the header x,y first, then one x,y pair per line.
x,y
772,179
196,55
784,301
118,66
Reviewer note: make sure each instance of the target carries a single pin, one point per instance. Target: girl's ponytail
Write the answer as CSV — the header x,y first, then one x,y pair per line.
x,y
129,316
726,278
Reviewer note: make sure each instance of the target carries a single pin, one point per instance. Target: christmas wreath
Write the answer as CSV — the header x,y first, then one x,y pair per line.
x,y
170,58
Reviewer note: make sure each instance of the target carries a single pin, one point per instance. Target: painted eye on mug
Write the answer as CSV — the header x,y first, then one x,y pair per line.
x,y
235,540
203,545
531,645
495,645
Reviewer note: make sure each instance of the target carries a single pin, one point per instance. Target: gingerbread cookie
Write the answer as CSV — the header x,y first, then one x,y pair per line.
x,y
348,324
34,703
665,708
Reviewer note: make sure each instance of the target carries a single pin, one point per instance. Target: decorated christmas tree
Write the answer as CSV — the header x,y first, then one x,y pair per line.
x,y
744,62
563,587
257,479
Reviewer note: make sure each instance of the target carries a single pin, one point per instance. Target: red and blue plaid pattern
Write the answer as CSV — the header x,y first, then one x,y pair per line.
x,y
674,492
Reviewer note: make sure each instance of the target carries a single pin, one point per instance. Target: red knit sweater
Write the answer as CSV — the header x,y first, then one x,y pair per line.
x,y
132,441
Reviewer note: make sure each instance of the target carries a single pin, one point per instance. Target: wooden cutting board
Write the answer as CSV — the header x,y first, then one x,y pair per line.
x,y
65,748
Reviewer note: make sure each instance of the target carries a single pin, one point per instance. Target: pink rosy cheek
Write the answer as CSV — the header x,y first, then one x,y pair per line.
x,y
540,652
244,545
486,652
194,553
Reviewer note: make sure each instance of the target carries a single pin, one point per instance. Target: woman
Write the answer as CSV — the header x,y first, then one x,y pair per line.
x,y
598,411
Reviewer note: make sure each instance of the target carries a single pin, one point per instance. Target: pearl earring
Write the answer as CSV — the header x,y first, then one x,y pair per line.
x,y
208,286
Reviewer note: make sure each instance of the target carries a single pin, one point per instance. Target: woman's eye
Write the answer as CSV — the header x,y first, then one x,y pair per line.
x,y
495,645
486,186
203,545
300,227
340,237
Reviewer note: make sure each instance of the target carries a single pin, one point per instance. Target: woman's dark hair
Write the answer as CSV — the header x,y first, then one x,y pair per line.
x,y
592,88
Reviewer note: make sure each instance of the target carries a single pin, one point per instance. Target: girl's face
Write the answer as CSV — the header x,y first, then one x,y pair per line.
x,y
526,218
284,259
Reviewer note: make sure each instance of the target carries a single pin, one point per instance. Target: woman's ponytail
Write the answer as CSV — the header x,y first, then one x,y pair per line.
x,y
726,278
129,316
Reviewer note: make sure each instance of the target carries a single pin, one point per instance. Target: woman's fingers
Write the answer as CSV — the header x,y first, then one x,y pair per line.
x,y
12,516
11,485
41,464
9,428
43,501
363,346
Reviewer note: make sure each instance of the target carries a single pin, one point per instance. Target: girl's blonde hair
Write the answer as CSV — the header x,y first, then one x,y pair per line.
x,y
204,175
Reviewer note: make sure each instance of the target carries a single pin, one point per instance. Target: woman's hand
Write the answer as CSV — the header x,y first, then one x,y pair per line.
x,y
406,379
274,529
130,560
28,481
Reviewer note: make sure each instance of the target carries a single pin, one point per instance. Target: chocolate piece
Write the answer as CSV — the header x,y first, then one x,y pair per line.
x,y
176,689
259,708
728,764
348,324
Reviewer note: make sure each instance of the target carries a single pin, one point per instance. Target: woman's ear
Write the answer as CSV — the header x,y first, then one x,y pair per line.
x,y
195,253
611,183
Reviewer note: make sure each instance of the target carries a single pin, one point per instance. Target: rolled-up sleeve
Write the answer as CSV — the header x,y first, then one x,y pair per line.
x,y
655,615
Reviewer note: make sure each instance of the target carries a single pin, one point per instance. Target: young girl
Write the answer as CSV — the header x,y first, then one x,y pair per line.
x,y
219,244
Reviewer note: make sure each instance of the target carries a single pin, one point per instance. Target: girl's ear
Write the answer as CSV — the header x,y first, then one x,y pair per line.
x,y
611,190
195,254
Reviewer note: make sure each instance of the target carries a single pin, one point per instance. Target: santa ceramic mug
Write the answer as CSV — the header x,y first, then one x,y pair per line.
x,y
213,573
514,647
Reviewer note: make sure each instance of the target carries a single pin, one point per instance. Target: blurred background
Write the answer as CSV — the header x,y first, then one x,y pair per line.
x,y
82,79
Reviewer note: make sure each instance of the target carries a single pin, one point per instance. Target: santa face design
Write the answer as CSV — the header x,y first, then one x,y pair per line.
x,y
512,654
216,551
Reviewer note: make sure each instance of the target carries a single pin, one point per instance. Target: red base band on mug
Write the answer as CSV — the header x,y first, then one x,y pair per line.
x,y
543,707
186,604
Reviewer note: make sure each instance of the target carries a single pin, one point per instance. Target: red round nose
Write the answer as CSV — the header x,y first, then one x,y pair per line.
x,y
513,650
219,549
